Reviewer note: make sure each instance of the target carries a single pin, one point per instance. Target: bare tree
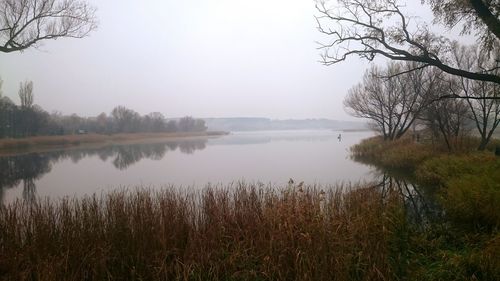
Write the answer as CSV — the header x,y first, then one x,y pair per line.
x,y
392,104
26,94
7,116
126,120
25,23
154,122
483,98
447,118
102,123
190,124
368,29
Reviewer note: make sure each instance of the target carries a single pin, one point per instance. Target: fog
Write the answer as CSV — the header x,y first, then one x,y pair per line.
x,y
207,58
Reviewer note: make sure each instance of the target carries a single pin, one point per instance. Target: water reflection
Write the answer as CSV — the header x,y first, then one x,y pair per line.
x,y
126,155
252,138
420,204
27,168
316,157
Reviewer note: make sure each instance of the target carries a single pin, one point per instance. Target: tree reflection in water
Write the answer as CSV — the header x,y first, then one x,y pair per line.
x,y
26,169
420,204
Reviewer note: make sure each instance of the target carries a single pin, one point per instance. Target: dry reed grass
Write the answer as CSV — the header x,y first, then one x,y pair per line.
x,y
241,233
402,154
40,142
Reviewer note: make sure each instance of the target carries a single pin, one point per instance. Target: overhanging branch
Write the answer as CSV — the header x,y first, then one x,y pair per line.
x,y
363,34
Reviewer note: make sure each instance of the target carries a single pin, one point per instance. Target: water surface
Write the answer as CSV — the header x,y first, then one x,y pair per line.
x,y
315,157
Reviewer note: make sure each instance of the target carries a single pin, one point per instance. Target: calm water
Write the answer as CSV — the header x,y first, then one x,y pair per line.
x,y
266,157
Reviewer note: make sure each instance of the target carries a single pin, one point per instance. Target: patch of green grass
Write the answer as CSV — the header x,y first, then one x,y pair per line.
x,y
466,243
470,186
447,253
442,168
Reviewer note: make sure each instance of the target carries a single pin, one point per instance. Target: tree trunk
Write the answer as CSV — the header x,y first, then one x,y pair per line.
x,y
483,144
490,20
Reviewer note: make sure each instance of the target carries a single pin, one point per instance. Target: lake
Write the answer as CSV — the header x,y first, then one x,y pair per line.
x,y
268,157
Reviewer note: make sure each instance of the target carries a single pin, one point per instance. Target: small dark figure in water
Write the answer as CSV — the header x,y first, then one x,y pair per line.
x,y
340,137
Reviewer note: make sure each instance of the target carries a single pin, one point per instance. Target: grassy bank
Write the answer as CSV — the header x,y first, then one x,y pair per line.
x,y
467,185
406,154
44,142
238,233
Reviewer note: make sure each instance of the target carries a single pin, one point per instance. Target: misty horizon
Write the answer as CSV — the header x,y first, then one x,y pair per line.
x,y
203,58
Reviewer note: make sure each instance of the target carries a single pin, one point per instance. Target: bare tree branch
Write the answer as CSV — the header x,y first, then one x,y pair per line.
x,y
25,23
404,72
456,96
369,29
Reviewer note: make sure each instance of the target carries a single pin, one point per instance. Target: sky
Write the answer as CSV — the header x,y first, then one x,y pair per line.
x,y
204,58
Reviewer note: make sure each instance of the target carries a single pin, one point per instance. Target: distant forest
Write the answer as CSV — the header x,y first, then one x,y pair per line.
x,y
29,119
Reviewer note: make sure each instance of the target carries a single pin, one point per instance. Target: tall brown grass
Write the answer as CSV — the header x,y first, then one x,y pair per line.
x,y
241,233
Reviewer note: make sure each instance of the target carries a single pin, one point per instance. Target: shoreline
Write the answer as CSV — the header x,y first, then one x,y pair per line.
x,y
256,224
47,143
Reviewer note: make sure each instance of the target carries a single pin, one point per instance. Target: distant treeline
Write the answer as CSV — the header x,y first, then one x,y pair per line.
x,y
28,119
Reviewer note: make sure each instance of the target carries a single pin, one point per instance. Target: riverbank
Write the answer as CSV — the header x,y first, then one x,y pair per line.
x,y
41,143
464,245
406,154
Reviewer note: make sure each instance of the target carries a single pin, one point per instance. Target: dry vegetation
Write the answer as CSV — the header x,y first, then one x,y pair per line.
x,y
239,233
42,142
407,154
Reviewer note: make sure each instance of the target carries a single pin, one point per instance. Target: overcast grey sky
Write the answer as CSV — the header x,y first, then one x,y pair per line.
x,y
206,58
